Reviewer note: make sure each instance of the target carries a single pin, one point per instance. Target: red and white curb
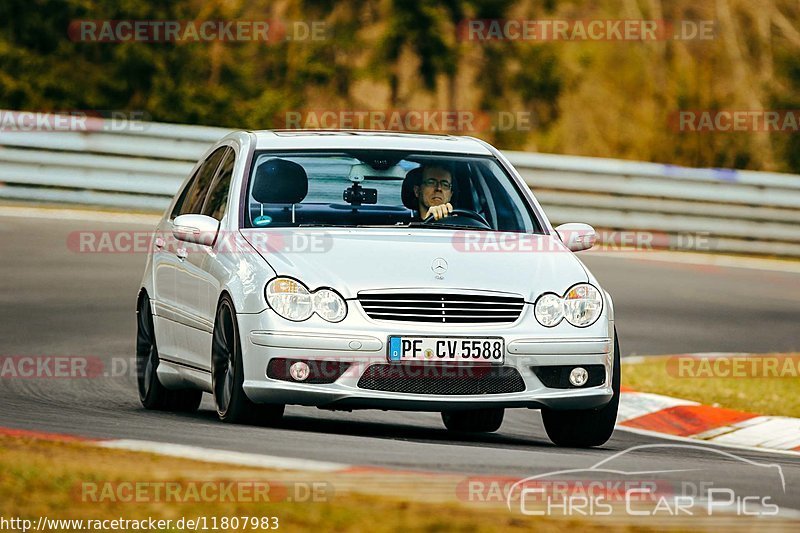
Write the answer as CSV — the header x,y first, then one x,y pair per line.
x,y
658,415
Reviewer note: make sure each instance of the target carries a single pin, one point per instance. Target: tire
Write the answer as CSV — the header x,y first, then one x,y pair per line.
x,y
227,374
473,421
587,427
152,393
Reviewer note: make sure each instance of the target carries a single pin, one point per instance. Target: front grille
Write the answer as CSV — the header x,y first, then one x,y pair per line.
x,y
441,379
442,308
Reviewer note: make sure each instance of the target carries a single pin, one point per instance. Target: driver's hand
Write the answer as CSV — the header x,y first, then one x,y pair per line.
x,y
440,211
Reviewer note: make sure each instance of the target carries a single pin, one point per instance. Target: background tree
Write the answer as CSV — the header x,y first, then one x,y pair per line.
x,y
606,98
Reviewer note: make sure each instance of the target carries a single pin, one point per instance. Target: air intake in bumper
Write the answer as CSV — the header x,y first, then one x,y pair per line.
x,y
443,380
320,372
557,376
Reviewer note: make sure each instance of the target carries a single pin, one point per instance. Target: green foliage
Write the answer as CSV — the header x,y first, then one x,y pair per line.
x,y
600,98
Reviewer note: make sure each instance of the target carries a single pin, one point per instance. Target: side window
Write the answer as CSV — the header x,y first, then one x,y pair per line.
x,y
217,197
182,198
193,202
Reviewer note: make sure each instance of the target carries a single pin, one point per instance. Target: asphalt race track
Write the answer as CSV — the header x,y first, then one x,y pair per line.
x,y
57,302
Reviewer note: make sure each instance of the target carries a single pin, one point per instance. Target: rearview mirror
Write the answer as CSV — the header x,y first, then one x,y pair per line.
x,y
197,229
577,236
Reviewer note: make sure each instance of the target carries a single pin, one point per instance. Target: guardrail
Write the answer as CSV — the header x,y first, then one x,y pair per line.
x,y
142,166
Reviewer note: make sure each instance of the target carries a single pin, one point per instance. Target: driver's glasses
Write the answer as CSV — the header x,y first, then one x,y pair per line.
x,y
445,185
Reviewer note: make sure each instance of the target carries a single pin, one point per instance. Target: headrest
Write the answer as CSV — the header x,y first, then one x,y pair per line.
x,y
279,181
414,177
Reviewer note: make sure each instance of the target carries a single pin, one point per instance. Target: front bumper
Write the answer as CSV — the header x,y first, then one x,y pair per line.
x,y
362,342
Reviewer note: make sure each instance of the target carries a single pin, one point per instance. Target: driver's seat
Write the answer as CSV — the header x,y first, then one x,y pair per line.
x,y
414,177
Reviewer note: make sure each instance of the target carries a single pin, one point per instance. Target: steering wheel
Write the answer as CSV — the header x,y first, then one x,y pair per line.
x,y
466,213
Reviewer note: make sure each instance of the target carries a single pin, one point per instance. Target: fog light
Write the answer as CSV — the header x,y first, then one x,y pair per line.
x,y
579,376
299,371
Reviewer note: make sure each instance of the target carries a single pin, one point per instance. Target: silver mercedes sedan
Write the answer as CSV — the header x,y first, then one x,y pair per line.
x,y
373,270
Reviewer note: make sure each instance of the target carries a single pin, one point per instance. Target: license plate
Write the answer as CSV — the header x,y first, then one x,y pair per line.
x,y
447,349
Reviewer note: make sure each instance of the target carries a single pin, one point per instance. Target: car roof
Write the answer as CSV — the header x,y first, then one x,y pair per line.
x,y
365,140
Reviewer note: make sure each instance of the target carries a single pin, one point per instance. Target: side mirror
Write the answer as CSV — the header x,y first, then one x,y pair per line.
x,y
577,236
197,229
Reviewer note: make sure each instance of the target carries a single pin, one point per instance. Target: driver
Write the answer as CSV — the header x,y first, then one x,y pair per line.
x,y
434,192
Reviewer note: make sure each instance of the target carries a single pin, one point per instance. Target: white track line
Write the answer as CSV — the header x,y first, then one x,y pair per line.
x,y
638,359
709,259
79,214
210,455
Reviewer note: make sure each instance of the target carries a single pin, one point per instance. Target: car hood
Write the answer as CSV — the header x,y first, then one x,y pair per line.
x,y
361,259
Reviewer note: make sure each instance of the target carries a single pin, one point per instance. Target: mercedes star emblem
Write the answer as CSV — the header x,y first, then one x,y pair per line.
x,y
439,267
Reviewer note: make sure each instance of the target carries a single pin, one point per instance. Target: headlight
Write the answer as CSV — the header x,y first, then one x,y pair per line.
x,y
329,305
582,305
548,310
293,301
290,299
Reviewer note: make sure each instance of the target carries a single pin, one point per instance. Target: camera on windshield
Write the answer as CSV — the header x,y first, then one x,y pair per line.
x,y
358,195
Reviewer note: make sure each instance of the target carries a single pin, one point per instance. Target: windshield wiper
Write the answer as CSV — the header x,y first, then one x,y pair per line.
x,y
313,225
434,225
431,225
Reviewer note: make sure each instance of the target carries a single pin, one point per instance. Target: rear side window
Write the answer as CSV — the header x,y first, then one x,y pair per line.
x,y
217,197
196,192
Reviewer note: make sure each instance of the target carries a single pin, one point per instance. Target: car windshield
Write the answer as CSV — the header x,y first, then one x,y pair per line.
x,y
383,189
